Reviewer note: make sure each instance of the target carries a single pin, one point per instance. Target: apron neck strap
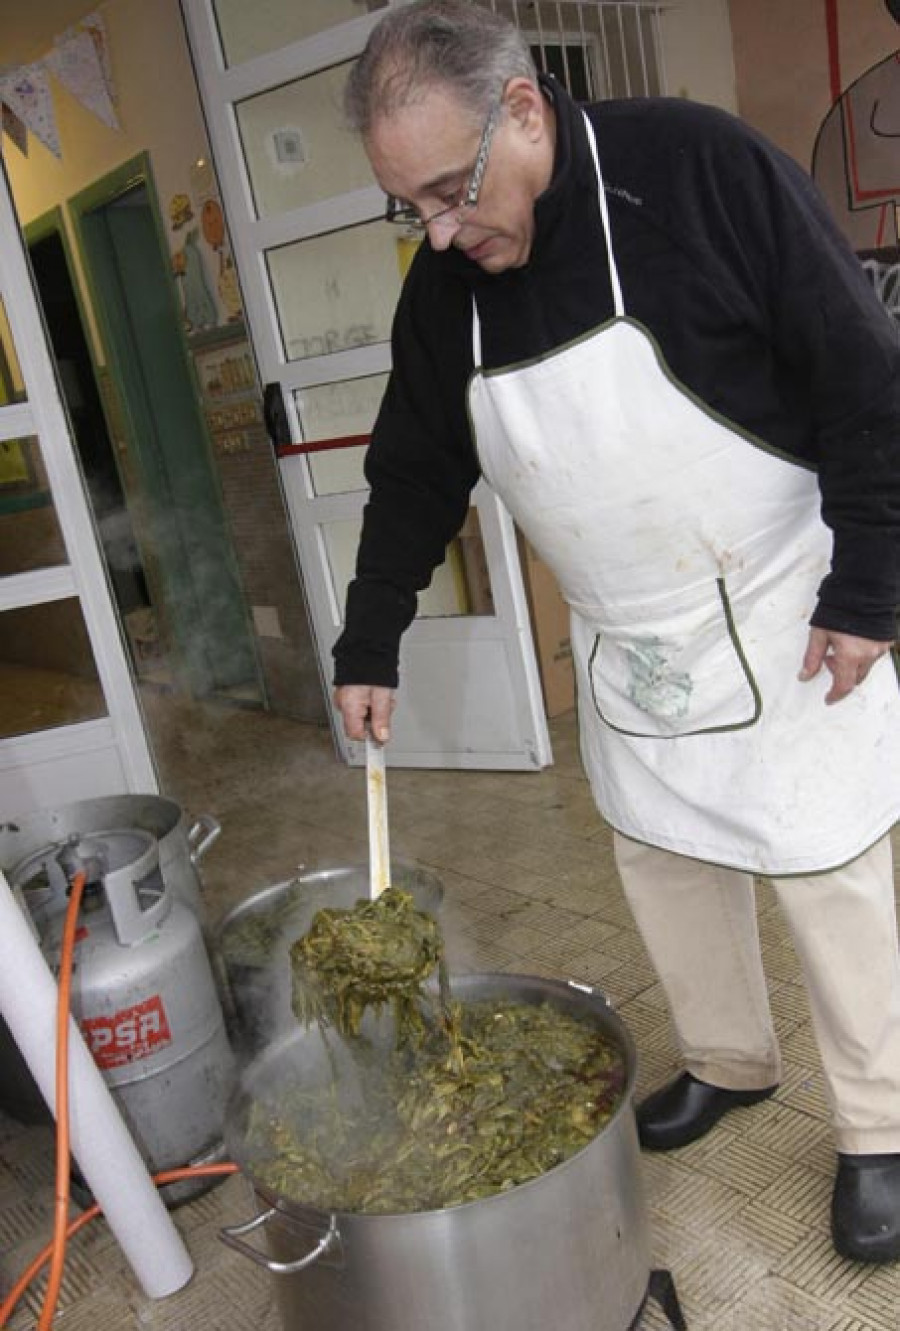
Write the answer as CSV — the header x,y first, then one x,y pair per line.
x,y
618,302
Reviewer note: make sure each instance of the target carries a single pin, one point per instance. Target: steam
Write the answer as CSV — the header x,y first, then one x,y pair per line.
x,y
281,1064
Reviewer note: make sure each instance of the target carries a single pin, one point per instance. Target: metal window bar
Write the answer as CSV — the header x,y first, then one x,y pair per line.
x,y
623,48
639,19
660,52
607,67
613,47
537,13
589,64
564,46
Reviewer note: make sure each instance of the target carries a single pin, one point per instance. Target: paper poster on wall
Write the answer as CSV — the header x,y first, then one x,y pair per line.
x,y
197,302
212,226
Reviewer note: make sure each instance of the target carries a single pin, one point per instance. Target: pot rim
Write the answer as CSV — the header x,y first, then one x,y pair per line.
x,y
575,993
323,877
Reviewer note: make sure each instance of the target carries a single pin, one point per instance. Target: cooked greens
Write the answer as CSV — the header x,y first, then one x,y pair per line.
x,y
452,1102
379,953
538,1085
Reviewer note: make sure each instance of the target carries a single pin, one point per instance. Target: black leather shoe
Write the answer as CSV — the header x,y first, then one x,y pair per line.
x,y
865,1208
686,1109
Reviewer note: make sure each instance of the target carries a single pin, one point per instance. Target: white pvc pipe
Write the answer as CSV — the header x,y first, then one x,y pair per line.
x,y
106,1154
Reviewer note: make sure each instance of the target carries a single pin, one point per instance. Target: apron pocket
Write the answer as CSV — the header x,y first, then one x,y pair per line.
x,y
687,676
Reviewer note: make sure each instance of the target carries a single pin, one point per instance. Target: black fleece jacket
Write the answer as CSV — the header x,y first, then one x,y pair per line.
x,y
728,256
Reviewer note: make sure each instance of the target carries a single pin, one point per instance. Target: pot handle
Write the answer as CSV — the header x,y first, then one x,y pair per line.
x,y
232,1235
205,823
588,989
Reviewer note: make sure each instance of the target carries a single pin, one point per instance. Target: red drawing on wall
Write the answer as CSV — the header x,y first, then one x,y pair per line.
x,y
856,158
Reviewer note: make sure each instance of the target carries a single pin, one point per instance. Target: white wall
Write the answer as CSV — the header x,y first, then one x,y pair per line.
x,y
697,50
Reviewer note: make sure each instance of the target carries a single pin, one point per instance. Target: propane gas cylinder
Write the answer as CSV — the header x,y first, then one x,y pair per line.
x,y
144,996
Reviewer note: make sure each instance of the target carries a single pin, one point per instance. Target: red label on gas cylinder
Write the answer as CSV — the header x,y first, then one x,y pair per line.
x,y
125,1036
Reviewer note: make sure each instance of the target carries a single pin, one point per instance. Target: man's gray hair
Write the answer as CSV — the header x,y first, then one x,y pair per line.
x,y
468,49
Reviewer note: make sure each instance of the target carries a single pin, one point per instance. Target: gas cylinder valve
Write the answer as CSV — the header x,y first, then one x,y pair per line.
x,y
80,855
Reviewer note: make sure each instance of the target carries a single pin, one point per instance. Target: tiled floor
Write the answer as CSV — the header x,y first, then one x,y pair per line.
x,y
740,1218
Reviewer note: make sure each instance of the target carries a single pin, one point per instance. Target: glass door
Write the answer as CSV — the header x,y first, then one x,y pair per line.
x,y
70,725
321,273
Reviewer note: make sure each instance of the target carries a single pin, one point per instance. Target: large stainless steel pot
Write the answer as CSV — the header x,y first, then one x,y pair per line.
x,y
568,1250
253,940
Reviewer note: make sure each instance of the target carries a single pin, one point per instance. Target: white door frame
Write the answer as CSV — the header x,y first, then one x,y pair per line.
x,y
495,717
105,756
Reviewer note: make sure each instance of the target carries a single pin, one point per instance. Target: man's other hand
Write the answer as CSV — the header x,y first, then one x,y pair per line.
x,y
847,657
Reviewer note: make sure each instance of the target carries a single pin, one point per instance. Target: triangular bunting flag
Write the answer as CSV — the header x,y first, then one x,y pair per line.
x,y
95,26
75,62
26,92
14,127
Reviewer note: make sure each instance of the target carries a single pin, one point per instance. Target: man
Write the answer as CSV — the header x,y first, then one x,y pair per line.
x,y
639,324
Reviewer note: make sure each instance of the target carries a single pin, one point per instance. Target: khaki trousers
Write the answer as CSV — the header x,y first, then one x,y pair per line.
x,y
698,922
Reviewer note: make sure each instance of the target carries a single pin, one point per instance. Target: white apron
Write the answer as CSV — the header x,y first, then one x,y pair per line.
x,y
690,555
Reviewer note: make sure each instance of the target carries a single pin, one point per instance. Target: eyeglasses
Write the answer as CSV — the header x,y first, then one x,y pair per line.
x,y
405,215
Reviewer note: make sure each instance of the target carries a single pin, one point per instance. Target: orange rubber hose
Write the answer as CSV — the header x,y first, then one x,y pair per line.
x,y
167,1176
61,1214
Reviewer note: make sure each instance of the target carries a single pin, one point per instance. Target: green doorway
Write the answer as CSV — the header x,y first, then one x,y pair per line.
x,y
175,505
52,269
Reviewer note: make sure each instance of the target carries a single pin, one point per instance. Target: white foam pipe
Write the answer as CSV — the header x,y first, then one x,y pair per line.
x,y
106,1154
